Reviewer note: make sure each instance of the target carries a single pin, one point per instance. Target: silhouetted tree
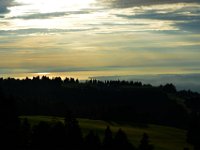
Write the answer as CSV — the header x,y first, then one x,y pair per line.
x,y
121,141
108,139
25,134
144,143
41,135
9,124
193,134
58,136
73,131
169,87
92,141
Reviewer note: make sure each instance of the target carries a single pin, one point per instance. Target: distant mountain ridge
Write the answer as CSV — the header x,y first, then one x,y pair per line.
x,y
181,81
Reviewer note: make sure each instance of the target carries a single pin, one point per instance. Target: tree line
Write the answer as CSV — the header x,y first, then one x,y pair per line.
x,y
122,101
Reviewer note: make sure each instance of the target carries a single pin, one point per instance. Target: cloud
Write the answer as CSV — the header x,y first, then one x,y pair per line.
x,y
31,31
49,15
4,4
41,15
154,14
134,3
192,26
50,69
181,17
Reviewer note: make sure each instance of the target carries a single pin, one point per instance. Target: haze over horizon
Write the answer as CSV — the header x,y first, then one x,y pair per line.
x,y
89,38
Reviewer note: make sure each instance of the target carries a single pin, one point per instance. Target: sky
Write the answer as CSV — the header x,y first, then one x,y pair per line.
x,y
86,38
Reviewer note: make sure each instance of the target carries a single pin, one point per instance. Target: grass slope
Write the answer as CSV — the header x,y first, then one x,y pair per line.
x,y
162,137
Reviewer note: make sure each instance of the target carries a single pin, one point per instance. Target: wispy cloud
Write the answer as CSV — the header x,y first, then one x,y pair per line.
x,y
159,15
49,15
36,31
181,17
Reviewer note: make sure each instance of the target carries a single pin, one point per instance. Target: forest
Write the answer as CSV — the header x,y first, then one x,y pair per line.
x,y
119,101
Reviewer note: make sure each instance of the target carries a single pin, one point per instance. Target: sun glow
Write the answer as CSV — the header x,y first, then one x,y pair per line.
x,y
42,73
46,6
63,14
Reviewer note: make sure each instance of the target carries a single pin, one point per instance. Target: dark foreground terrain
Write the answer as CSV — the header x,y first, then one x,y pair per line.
x,y
121,102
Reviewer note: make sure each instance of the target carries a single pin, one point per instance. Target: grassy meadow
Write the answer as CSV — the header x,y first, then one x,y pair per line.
x,y
162,137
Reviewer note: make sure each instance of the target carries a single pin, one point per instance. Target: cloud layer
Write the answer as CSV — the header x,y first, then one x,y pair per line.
x,y
128,37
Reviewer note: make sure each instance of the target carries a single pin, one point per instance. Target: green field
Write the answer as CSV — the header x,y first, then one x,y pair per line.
x,y
162,137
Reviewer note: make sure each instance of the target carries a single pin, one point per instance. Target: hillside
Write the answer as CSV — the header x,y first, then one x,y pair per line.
x,y
119,101
162,137
162,112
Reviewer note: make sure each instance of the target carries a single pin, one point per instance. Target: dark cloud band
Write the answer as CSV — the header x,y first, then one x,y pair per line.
x,y
49,15
4,4
134,3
